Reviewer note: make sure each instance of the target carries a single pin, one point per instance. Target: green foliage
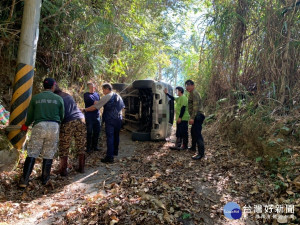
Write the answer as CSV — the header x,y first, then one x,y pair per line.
x,y
258,159
186,216
115,41
226,45
245,47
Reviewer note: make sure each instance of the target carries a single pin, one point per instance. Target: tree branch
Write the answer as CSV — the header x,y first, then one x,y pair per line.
x,y
55,14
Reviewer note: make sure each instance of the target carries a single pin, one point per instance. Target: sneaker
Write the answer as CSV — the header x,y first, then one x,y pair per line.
x,y
197,157
23,183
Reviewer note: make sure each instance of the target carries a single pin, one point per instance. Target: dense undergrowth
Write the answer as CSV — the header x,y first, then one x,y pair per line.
x,y
266,134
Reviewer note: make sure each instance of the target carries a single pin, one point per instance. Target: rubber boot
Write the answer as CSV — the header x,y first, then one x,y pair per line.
x,y
46,169
64,166
81,159
177,144
27,169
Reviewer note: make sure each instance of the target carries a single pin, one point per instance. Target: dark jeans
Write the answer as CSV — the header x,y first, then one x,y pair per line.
x,y
112,129
93,127
182,132
196,134
182,129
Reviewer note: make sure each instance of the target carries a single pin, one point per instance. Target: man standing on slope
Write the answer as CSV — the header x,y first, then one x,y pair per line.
x,y
46,112
73,125
196,119
92,118
182,118
112,117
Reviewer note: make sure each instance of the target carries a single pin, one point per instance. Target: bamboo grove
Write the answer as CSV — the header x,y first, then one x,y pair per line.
x,y
239,49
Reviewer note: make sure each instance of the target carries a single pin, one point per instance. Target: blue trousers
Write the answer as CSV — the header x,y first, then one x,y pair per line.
x,y
112,129
93,131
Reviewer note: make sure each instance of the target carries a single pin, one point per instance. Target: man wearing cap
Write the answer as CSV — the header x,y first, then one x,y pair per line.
x,y
73,125
196,119
92,118
46,112
112,117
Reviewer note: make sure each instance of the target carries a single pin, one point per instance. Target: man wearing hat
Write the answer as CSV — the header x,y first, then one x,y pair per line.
x,y
46,112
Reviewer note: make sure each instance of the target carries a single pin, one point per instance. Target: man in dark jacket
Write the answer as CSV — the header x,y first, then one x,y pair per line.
x,y
46,112
92,118
196,119
73,125
112,117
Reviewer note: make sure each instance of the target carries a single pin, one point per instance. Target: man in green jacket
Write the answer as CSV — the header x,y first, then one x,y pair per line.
x,y
196,119
46,112
182,118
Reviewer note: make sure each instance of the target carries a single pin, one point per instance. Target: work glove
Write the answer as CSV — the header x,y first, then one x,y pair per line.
x,y
24,128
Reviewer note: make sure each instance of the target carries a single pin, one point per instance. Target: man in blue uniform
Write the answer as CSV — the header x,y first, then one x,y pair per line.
x,y
92,118
112,117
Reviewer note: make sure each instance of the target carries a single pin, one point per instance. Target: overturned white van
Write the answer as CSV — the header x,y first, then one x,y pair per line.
x,y
148,112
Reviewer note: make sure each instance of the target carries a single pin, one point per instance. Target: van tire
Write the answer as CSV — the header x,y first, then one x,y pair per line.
x,y
141,84
119,86
141,136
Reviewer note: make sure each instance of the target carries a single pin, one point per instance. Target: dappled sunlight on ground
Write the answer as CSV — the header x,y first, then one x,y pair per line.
x,y
147,184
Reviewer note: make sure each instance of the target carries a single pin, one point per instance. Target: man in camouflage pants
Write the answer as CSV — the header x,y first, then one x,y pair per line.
x,y
73,125
45,111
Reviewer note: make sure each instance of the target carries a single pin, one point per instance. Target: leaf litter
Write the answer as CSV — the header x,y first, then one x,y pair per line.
x,y
153,186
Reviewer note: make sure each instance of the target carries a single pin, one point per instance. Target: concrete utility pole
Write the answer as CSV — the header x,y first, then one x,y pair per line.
x,y
22,87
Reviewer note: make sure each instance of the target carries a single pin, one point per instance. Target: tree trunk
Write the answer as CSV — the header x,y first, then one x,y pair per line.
x,y
285,55
238,33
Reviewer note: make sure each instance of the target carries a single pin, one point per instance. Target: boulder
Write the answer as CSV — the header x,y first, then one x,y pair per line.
x,y
9,159
9,156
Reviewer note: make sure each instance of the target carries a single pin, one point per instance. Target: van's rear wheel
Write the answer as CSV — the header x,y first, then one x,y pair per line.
x,y
141,136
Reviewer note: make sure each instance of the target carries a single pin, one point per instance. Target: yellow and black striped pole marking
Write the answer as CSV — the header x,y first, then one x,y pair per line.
x,y
20,101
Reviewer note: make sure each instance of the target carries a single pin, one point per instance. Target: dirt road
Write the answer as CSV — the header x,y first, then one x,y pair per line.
x,y
148,184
